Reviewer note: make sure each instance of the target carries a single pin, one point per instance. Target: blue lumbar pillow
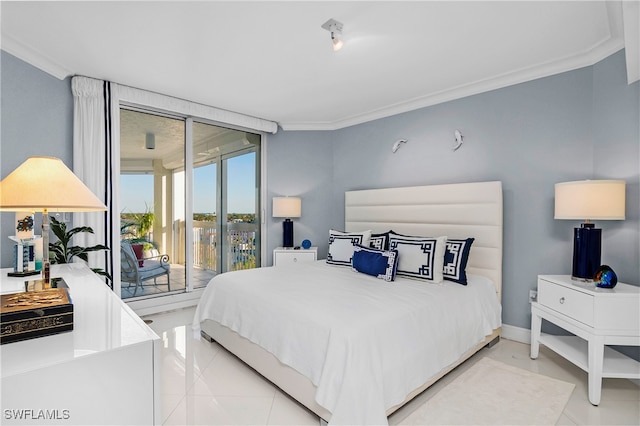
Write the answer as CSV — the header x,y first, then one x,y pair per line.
x,y
381,264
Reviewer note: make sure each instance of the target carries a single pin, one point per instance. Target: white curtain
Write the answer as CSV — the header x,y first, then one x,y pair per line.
x,y
95,117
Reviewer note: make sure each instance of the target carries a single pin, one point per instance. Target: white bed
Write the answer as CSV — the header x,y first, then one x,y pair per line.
x,y
359,347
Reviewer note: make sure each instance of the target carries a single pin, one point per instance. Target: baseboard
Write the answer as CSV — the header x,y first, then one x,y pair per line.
x,y
517,334
154,305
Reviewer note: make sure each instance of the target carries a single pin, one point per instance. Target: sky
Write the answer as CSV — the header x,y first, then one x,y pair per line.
x,y
136,190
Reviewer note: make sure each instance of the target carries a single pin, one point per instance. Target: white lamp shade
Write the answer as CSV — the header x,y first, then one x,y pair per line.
x,y
287,207
46,183
590,199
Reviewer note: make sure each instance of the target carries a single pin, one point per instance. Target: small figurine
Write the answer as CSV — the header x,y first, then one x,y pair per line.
x,y
605,277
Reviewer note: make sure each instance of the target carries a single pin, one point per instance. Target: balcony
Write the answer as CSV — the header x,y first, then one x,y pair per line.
x,y
239,252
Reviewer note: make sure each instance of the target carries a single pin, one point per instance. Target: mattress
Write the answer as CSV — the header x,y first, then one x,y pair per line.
x,y
363,342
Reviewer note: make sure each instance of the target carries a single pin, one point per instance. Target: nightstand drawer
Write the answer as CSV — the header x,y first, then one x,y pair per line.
x,y
572,303
283,257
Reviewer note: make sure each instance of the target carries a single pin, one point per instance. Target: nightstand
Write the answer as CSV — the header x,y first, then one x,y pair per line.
x,y
597,317
288,256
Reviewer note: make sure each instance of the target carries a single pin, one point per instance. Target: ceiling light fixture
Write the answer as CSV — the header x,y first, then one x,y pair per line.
x,y
150,141
335,28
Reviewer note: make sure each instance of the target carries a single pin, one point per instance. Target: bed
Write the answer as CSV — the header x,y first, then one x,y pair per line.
x,y
353,348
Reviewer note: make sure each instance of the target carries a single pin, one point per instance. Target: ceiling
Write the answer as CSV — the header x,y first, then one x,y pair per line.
x,y
273,60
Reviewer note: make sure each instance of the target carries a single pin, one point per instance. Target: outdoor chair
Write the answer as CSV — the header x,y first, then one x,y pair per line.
x,y
136,271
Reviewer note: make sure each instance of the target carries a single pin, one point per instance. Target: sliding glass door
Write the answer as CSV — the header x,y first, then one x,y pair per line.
x,y
226,232
189,202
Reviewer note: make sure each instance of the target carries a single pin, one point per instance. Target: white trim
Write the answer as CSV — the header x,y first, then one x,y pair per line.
x,y
34,57
631,19
517,334
168,302
570,63
193,109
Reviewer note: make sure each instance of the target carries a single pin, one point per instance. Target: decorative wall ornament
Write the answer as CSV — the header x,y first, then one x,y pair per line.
x,y
397,144
459,138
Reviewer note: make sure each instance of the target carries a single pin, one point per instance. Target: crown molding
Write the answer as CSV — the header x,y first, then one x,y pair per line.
x,y
570,63
33,57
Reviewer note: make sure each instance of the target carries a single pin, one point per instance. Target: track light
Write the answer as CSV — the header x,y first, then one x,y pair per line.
x,y
335,28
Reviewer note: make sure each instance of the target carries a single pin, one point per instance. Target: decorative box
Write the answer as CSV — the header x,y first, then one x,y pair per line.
x,y
34,314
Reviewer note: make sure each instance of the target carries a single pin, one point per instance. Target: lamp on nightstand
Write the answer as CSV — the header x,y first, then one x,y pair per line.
x,y
587,200
287,207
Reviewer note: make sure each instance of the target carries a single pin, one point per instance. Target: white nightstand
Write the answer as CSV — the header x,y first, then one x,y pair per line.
x,y
287,256
597,317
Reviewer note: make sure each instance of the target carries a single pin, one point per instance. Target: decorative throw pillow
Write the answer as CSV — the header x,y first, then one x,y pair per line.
x,y
456,256
379,241
138,250
419,257
341,246
379,263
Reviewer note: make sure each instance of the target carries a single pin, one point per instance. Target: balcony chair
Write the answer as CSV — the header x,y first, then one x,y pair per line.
x,y
136,271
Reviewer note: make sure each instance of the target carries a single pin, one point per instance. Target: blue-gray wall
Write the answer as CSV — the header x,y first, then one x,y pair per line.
x,y
582,124
36,118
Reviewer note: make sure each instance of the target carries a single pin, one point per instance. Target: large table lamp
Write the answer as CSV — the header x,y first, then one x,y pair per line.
x,y
588,200
45,184
287,207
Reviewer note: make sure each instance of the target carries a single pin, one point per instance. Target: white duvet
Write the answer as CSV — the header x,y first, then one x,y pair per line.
x,y
364,343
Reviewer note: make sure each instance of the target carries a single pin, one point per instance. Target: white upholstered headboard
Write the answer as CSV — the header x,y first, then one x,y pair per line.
x,y
459,210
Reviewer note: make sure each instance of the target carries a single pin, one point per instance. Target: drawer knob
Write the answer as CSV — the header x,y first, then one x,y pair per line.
x,y
562,300
295,259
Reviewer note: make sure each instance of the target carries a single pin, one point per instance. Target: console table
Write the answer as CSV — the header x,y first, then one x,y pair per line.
x,y
105,371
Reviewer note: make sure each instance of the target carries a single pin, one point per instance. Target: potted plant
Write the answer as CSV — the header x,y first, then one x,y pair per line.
x,y
62,251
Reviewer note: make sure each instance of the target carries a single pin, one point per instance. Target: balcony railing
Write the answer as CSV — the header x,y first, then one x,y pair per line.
x,y
240,245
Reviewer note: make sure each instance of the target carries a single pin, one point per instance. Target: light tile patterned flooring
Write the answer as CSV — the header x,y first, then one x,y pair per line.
x,y
203,384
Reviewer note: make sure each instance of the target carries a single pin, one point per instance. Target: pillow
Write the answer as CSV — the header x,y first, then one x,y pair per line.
x,y
341,246
379,241
456,256
138,250
419,257
379,263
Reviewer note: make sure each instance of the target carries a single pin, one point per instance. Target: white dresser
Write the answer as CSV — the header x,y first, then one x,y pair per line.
x,y
288,256
105,371
597,317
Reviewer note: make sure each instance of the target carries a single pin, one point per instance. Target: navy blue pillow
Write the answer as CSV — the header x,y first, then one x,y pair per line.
x,y
379,263
456,256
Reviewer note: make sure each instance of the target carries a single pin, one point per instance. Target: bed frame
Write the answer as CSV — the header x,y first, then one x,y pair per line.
x,y
456,210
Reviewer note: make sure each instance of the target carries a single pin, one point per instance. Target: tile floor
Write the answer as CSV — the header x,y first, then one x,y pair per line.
x,y
203,384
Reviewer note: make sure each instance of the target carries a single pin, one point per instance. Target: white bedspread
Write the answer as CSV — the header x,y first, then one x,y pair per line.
x,y
364,343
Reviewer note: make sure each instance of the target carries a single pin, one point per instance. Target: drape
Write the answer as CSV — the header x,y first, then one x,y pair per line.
x,y
95,117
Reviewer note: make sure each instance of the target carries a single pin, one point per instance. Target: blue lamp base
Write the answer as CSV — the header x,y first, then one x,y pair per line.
x,y
287,233
586,252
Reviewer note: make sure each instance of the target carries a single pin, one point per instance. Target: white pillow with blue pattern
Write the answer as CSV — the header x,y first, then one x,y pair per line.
x,y
341,246
378,263
420,258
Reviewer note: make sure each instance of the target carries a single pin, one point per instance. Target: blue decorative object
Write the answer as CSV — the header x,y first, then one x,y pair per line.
x,y
306,244
605,277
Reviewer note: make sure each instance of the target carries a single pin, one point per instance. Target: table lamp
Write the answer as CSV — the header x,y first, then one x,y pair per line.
x,y
587,200
287,207
44,184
